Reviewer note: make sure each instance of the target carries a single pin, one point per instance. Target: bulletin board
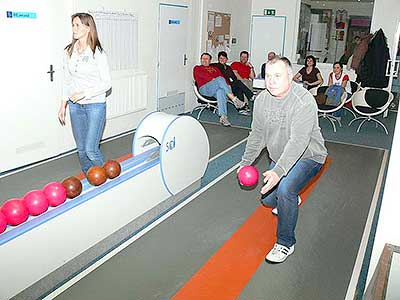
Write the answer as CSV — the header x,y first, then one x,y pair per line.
x,y
218,29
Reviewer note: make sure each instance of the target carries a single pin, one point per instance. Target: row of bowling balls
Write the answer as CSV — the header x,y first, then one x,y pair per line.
x,y
36,202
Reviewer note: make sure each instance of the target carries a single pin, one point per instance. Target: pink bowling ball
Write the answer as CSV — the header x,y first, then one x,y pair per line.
x,y
36,202
3,222
15,212
248,176
56,193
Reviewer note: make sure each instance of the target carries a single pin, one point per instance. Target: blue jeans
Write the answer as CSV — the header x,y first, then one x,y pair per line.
x,y
87,122
217,88
284,197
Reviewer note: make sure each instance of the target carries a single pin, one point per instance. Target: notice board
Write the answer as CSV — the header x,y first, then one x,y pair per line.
x,y
218,29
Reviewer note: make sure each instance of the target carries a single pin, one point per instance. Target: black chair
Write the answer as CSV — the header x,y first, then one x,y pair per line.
x,y
325,111
371,102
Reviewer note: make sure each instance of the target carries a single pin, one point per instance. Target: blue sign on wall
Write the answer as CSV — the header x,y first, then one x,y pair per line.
x,y
21,15
174,22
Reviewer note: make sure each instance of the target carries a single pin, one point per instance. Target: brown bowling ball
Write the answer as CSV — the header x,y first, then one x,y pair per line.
x,y
113,168
96,175
73,186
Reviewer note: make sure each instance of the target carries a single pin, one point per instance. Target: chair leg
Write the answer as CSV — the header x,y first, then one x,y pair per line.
x,y
380,123
200,112
350,111
325,116
356,119
361,124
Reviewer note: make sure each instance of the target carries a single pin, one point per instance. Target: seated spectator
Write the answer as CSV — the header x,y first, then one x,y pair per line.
x,y
211,83
310,76
238,87
337,83
270,56
244,70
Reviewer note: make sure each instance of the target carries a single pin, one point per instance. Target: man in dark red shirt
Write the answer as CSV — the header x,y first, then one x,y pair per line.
x,y
239,89
211,83
244,70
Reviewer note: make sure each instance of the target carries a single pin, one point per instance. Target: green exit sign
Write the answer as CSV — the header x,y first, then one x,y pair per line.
x,y
269,12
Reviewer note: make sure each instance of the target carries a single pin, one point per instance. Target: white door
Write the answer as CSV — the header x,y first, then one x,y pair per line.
x,y
172,64
33,35
267,34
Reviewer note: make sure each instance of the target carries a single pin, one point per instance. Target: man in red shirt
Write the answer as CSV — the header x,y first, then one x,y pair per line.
x,y
211,83
244,70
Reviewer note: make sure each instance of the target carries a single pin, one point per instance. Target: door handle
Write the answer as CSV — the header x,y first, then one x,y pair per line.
x,y
51,72
184,59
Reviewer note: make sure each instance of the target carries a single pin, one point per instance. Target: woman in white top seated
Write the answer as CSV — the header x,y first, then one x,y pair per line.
x,y
337,83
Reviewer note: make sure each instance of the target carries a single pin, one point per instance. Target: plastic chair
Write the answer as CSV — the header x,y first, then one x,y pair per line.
x,y
371,102
204,102
325,111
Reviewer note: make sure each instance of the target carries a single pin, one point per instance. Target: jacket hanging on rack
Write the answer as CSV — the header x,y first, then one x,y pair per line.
x,y
372,71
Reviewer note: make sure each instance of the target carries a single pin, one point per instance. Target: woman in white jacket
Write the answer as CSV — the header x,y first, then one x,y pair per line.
x,y
86,81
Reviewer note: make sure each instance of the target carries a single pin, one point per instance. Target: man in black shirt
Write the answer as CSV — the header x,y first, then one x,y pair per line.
x,y
239,89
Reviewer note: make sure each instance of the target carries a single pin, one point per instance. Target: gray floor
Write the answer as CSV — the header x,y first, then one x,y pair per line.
x,y
330,227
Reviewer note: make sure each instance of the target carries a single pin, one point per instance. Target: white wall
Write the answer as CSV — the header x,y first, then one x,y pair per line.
x,y
288,8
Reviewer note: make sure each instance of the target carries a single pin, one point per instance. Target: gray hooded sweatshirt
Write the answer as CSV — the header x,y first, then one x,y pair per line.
x,y
289,129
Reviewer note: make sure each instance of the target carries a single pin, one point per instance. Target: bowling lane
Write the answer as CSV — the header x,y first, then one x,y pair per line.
x,y
329,231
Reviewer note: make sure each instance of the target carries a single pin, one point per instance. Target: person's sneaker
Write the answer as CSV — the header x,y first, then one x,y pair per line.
x,y
224,120
238,104
278,254
244,112
275,209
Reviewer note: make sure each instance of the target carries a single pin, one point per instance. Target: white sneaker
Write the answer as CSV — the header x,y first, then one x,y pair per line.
x,y
224,121
278,254
244,112
275,209
238,104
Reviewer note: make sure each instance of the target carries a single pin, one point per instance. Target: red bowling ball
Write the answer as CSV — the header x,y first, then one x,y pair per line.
x,y
248,176
3,222
15,212
36,202
55,192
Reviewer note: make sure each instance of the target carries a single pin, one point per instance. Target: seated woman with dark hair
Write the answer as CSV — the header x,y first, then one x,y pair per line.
x,y
310,76
337,83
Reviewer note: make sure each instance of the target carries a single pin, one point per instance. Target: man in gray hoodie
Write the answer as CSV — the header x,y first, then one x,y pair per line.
x,y
285,121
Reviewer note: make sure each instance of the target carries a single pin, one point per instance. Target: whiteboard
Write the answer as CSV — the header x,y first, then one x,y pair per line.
x,y
267,34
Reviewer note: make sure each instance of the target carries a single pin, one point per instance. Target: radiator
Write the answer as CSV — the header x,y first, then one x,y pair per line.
x,y
129,93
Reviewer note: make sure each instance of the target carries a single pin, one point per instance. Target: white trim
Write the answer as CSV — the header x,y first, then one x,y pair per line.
x,y
351,289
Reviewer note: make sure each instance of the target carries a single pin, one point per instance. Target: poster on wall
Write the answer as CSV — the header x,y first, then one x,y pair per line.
x,y
341,18
218,32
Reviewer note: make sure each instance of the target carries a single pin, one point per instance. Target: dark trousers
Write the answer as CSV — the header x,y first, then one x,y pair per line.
x,y
239,89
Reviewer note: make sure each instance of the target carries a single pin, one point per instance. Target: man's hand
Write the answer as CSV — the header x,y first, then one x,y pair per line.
x,y
271,179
